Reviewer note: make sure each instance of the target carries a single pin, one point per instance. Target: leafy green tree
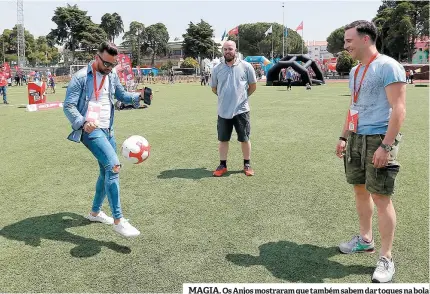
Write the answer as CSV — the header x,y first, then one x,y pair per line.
x,y
133,39
344,63
155,41
335,41
253,40
198,41
75,30
112,25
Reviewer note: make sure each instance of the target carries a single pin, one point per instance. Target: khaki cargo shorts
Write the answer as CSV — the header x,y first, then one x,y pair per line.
x,y
359,168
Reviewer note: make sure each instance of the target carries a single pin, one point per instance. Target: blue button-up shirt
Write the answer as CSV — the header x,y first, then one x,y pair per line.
x,y
79,93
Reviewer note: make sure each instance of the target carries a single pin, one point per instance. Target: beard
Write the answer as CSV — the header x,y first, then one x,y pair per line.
x,y
228,57
104,71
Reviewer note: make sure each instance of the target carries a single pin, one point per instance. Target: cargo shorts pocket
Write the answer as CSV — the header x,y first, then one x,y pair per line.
x,y
382,180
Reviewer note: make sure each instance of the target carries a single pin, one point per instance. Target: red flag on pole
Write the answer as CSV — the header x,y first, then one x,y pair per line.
x,y
234,31
300,27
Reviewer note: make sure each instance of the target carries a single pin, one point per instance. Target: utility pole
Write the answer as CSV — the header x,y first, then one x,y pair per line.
x,y
283,31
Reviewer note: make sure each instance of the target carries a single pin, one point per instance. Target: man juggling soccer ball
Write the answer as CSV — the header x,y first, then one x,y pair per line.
x,y
89,106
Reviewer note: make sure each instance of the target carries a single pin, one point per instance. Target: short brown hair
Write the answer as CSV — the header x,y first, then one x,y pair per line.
x,y
110,48
364,27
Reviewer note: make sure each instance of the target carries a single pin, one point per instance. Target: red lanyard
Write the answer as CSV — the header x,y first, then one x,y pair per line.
x,y
97,92
362,77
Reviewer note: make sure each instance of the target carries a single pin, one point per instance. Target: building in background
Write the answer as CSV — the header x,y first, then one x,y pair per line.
x,y
318,50
421,55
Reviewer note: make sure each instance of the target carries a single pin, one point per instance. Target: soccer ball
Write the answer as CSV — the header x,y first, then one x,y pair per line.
x,y
135,149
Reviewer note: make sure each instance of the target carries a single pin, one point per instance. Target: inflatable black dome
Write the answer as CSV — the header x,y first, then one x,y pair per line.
x,y
291,61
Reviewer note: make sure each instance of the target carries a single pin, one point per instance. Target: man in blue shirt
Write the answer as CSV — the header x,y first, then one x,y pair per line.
x,y
233,81
89,108
369,141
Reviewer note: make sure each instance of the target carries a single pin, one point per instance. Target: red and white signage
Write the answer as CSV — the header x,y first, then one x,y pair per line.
x,y
44,106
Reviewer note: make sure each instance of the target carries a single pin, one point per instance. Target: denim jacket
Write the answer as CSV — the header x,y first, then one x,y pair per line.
x,y
79,93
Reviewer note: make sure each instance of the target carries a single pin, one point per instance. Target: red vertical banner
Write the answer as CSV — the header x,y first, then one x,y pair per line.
x,y
123,69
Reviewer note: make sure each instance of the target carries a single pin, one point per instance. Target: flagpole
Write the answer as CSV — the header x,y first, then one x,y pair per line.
x,y
272,44
283,31
303,40
238,43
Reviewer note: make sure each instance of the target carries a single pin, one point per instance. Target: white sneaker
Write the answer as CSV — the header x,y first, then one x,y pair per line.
x,y
384,271
101,218
126,229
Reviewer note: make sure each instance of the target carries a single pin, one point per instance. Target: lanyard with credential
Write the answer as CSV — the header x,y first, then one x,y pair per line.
x,y
97,92
356,92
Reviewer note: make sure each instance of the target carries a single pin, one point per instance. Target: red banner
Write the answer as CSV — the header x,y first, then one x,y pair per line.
x,y
44,106
123,69
36,92
300,27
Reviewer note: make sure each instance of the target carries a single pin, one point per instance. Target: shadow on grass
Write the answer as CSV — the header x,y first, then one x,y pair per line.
x,y
299,263
191,173
54,227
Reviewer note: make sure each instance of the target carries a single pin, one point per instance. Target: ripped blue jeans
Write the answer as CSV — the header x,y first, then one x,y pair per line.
x,y
103,146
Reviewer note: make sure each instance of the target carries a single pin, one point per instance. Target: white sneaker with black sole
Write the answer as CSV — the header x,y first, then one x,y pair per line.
x,y
384,271
126,229
100,218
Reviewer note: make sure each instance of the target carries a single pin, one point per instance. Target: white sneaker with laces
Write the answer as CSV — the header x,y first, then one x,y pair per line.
x,y
126,229
384,271
101,218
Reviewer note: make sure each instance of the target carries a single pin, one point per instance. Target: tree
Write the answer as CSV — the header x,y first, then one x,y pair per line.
x,y
382,22
387,4
189,65
344,62
75,30
43,54
118,24
37,51
70,21
108,25
112,25
10,41
253,41
198,41
401,31
156,39
401,23
92,37
167,65
133,40
335,41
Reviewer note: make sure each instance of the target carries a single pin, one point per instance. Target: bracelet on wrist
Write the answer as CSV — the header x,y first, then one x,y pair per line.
x,y
343,139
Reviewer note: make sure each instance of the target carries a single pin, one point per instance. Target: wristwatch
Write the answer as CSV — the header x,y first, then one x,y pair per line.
x,y
387,148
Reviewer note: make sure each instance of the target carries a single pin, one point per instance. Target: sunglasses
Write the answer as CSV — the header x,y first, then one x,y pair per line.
x,y
106,63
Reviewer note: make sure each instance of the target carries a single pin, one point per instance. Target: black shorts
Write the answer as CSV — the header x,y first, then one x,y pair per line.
x,y
241,123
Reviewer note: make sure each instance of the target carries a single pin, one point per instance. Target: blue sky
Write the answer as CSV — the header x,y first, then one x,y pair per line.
x,y
320,18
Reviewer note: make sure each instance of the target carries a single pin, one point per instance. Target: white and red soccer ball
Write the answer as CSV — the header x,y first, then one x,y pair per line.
x,y
135,149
